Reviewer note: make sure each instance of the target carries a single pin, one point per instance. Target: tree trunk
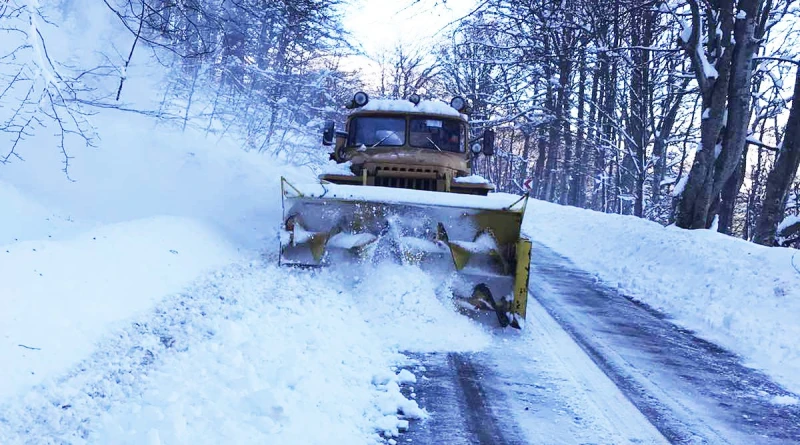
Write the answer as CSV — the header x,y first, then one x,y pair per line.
x,y
565,72
526,152
660,141
781,176
727,168
578,172
696,199
538,173
551,163
730,193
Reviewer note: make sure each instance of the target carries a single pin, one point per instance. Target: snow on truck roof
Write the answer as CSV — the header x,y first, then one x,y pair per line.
x,y
405,106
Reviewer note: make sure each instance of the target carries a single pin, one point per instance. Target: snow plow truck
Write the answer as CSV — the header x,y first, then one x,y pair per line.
x,y
404,192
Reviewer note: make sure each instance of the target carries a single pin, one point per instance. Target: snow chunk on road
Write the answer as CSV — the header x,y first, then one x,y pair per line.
x,y
405,376
785,400
392,402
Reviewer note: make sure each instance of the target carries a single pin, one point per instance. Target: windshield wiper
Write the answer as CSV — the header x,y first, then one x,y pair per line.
x,y
386,137
434,143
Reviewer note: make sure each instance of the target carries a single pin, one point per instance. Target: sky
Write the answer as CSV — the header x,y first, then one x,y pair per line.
x,y
378,25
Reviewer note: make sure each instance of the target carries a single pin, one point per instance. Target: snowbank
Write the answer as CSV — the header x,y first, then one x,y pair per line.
x,y
60,297
737,294
25,219
253,353
284,352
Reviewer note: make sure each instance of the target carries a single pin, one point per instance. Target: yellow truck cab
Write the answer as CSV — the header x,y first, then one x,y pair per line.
x,y
414,144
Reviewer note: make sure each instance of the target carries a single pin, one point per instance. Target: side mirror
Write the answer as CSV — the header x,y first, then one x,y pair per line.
x,y
488,142
328,133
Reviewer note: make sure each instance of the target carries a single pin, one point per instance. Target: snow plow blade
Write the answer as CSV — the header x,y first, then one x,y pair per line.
x,y
476,237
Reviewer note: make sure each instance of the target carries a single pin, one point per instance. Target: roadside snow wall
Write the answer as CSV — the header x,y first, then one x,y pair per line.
x,y
737,294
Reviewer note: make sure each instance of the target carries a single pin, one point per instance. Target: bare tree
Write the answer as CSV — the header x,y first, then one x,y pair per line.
x,y
42,92
781,176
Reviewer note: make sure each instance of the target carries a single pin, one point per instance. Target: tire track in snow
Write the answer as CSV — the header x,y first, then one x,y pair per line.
x,y
465,407
482,423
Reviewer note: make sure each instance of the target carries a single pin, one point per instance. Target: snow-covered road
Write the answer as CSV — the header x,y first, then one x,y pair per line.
x,y
692,390
535,387
596,367
258,354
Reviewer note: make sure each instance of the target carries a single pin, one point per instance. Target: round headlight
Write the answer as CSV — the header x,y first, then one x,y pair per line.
x,y
414,99
476,148
360,99
458,103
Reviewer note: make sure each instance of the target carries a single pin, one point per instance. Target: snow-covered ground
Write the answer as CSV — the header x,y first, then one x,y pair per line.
x,y
135,318
59,297
162,318
737,294
142,303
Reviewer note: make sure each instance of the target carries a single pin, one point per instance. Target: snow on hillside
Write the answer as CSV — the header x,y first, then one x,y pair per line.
x,y
737,294
142,302
60,296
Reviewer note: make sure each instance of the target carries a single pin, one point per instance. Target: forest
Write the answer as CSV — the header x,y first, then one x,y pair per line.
x,y
683,112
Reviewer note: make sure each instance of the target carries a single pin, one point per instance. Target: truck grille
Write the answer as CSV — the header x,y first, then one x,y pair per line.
x,y
417,178
406,183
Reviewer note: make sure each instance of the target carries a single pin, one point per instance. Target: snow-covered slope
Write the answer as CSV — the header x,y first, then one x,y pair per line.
x,y
737,294
61,296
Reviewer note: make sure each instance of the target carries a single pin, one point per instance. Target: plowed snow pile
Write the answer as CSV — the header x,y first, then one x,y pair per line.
x,y
737,294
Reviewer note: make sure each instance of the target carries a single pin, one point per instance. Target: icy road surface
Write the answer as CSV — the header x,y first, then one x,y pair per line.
x,y
553,383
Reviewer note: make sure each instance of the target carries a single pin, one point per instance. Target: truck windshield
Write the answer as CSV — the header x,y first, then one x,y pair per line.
x,y
441,134
377,131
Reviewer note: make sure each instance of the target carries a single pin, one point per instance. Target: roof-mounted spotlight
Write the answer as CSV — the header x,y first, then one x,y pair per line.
x,y
414,99
359,100
459,104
